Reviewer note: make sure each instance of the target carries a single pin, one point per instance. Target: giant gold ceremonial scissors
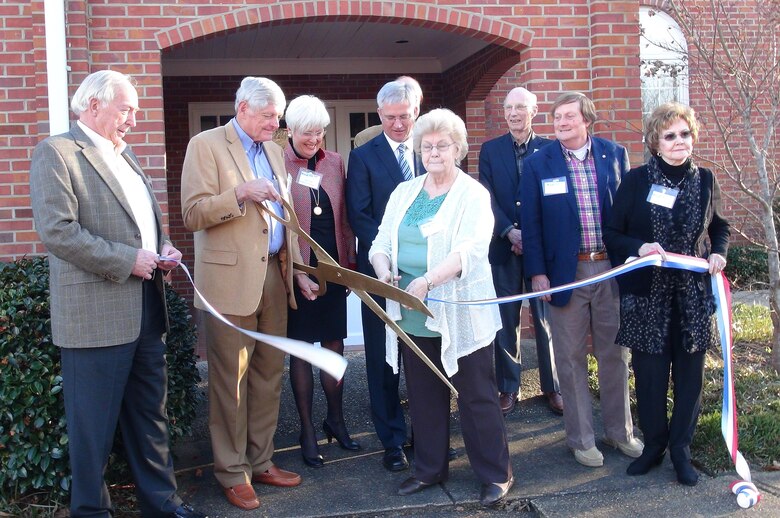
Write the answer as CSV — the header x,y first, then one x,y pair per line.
x,y
328,270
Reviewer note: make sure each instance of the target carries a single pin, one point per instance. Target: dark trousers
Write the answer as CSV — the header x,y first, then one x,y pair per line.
x,y
508,279
386,411
125,384
481,420
651,374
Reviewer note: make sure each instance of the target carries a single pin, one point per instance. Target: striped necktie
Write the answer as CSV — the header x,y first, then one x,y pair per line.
x,y
403,164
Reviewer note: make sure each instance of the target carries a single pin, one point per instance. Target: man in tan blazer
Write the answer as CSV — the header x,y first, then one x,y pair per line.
x,y
95,211
233,176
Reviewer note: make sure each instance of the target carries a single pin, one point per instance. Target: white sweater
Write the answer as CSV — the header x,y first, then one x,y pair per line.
x,y
463,225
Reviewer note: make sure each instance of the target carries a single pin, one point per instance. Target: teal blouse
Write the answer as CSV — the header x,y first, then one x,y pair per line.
x,y
413,256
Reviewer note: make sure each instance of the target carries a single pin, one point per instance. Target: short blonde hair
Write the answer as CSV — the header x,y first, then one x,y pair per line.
x,y
442,120
663,117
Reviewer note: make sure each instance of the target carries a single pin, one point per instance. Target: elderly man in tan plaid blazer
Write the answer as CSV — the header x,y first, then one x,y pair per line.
x,y
95,211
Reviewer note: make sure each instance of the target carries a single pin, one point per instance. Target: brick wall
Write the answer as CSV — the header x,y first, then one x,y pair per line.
x,y
549,46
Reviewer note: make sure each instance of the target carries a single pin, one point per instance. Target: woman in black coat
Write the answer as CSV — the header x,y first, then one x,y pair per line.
x,y
667,316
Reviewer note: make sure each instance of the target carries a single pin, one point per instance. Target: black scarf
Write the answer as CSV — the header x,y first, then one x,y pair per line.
x,y
645,321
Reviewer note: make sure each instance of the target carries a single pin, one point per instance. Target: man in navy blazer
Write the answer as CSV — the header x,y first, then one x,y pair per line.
x,y
567,194
500,168
373,172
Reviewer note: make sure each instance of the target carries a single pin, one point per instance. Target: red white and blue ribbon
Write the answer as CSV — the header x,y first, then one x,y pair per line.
x,y
324,359
749,494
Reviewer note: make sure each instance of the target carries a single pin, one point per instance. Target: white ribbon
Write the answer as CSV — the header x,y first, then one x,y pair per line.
x,y
324,359
723,311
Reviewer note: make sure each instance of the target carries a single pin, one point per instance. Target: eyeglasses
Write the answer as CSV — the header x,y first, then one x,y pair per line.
x,y
520,108
671,137
440,147
392,118
313,134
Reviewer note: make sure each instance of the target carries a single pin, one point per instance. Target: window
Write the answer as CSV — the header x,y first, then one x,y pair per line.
x,y
663,55
205,116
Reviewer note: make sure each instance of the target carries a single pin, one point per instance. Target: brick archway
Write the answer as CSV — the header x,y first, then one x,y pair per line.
x,y
471,24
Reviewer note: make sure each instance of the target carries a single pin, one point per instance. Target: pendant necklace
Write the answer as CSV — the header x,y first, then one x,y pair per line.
x,y
316,195
671,183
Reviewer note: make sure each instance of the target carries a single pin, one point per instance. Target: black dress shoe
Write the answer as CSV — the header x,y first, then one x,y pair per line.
x,y
411,486
647,461
493,493
452,454
342,437
313,462
186,511
686,474
395,459
310,453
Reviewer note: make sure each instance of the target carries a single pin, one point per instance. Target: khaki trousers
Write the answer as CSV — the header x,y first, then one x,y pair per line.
x,y
244,385
594,309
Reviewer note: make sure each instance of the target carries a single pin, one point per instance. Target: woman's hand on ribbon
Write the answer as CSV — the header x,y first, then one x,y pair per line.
x,y
418,288
652,248
717,263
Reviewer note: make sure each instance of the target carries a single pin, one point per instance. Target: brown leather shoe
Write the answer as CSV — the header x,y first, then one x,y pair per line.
x,y
507,401
555,402
276,476
242,496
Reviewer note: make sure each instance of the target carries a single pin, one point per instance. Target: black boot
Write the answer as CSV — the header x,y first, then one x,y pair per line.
x,y
686,473
647,461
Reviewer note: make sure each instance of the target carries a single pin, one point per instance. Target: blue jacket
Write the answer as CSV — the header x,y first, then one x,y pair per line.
x,y
372,174
498,173
551,224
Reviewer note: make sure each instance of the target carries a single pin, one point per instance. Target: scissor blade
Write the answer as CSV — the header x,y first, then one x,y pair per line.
x,y
358,281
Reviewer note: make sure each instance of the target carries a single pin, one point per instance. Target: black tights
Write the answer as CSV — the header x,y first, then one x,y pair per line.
x,y
302,382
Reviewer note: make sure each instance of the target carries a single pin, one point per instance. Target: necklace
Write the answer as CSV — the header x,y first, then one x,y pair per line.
x,y
317,210
671,183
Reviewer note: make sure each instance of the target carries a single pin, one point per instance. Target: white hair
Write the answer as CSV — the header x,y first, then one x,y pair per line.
x,y
100,85
415,85
259,92
396,92
306,113
520,90
446,122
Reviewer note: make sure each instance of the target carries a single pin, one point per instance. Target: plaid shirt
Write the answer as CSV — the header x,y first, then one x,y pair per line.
x,y
583,176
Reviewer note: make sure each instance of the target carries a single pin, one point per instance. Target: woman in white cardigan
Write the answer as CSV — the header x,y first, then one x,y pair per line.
x,y
433,241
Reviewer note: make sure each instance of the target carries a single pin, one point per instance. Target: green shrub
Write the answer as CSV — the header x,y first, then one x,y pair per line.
x,y
33,438
33,441
747,268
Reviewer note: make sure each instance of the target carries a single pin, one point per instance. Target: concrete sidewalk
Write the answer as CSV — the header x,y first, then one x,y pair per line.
x,y
548,481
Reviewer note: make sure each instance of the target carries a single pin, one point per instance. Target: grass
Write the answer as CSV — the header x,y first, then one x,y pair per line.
x,y
757,391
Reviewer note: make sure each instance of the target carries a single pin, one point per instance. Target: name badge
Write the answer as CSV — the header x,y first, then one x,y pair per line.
x,y
663,196
429,227
551,186
309,178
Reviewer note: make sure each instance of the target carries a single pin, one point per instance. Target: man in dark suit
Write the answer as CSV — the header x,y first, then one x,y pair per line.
x,y
96,213
567,194
500,170
373,172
